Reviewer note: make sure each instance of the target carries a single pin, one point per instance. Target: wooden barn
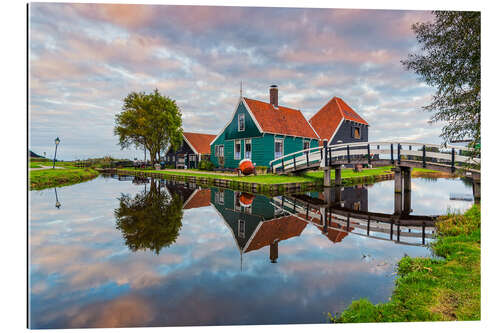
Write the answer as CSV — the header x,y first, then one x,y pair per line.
x,y
261,131
337,123
194,148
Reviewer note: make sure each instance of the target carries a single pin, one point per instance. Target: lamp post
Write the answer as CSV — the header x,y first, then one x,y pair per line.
x,y
58,204
55,153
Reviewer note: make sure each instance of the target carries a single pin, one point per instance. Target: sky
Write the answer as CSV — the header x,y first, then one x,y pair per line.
x,y
86,58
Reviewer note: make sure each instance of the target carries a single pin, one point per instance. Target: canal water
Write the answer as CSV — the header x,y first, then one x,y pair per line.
x,y
131,252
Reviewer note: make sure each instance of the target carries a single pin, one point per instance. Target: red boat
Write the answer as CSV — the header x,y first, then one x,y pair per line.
x,y
246,199
246,166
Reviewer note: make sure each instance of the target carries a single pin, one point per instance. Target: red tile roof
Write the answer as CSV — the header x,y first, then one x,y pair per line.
x,y
201,198
328,118
336,236
280,120
281,228
200,141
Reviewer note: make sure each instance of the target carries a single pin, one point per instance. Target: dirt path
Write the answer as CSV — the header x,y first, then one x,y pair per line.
x,y
43,167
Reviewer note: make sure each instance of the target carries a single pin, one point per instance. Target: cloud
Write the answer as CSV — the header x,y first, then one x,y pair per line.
x,y
85,58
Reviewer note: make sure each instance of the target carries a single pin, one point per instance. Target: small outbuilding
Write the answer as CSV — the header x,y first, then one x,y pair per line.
x,y
194,148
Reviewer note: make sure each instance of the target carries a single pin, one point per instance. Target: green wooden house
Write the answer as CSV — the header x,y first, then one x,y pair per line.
x,y
257,225
261,132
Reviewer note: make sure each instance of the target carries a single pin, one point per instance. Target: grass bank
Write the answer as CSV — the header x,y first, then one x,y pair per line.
x,y
311,176
40,179
433,289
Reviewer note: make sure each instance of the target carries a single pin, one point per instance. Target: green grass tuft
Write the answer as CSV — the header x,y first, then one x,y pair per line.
x,y
433,289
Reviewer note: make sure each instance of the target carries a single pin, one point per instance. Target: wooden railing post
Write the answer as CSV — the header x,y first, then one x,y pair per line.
x,y
369,157
348,155
423,233
307,157
329,156
283,164
294,163
399,153
323,153
452,160
392,153
423,157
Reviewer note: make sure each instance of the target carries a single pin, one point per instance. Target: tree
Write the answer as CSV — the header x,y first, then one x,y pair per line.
x,y
449,60
152,121
151,220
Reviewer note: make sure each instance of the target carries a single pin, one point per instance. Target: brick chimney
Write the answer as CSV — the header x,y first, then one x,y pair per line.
x,y
273,95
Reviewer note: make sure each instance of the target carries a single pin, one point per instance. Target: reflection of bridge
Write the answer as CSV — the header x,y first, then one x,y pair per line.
x,y
402,155
330,213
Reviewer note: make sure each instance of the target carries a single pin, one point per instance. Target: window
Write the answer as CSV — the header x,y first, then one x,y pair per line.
x,y
248,149
307,144
219,150
278,148
237,150
356,133
219,197
237,205
241,122
241,228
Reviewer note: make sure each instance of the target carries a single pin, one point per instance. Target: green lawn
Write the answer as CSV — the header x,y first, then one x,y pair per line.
x,y
312,176
40,179
434,289
35,165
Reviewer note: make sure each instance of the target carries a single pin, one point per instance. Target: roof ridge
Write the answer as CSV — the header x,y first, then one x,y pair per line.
x,y
279,106
340,108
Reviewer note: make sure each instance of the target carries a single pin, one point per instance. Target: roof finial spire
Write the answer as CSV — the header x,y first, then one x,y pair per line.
x,y
241,89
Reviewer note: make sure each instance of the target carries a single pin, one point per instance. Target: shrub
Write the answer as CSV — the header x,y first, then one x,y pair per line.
x,y
206,165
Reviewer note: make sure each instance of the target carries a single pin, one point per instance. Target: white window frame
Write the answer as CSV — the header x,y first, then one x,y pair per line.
x,y
354,132
308,143
237,205
245,150
219,197
240,117
237,156
218,150
282,140
241,228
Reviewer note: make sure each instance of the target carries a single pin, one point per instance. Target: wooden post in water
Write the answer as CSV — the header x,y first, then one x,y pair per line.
x,y
407,189
338,175
327,182
476,191
398,204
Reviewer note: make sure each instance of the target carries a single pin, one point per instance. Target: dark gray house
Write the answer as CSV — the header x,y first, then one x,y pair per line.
x,y
194,148
337,123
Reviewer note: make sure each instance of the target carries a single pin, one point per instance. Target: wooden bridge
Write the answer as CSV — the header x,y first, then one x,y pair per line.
x,y
402,155
328,215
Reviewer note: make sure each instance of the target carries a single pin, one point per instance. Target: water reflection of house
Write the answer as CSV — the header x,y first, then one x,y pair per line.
x,y
199,198
353,197
254,222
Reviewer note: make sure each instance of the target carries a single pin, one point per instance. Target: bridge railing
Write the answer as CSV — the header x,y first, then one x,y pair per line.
x,y
295,160
374,228
366,152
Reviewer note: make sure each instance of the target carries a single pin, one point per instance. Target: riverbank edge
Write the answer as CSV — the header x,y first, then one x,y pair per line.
x,y
59,177
432,289
252,187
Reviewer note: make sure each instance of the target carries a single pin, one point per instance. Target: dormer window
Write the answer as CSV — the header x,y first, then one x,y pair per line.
x,y
241,122
356,132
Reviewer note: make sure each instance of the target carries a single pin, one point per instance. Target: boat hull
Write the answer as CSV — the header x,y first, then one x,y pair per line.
x,y
246,166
